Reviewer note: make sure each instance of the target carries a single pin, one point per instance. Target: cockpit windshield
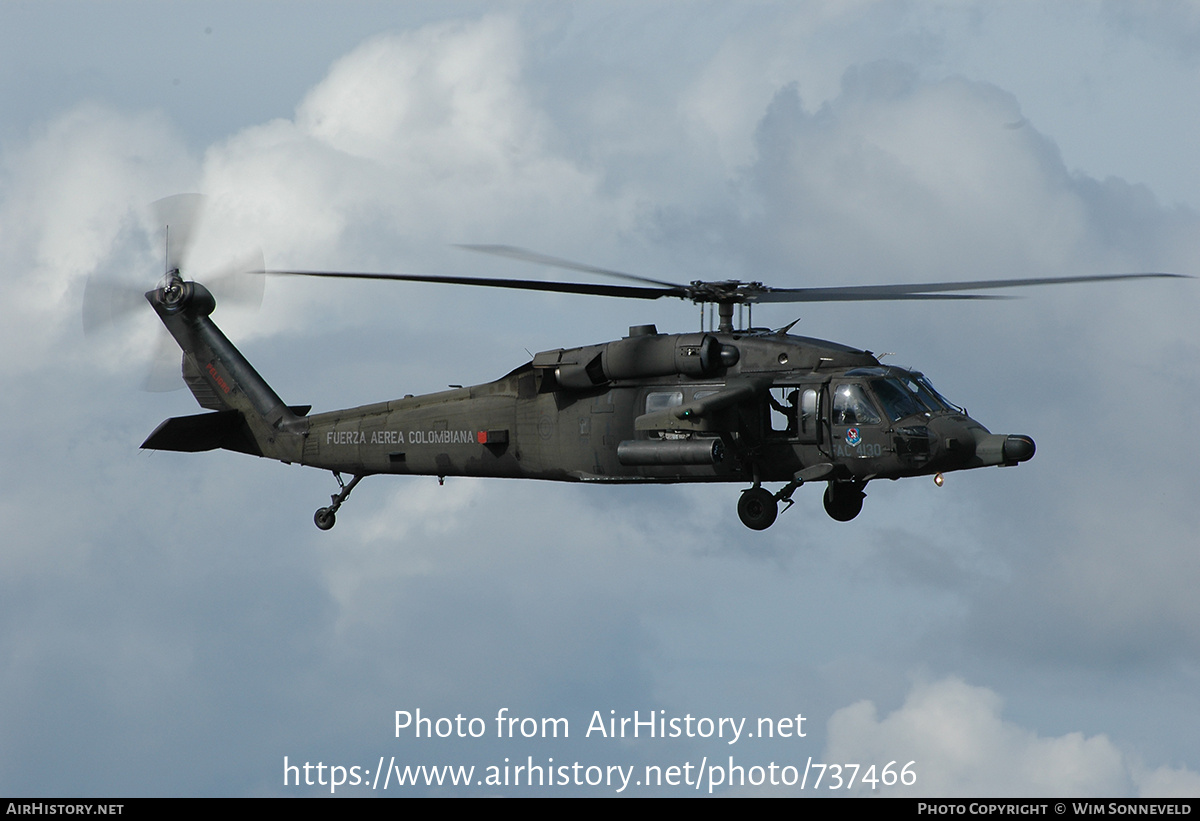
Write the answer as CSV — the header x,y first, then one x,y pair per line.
x,y
897,399
929,394
902,393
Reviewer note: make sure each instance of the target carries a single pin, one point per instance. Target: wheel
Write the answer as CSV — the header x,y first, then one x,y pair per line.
x,y
757,508
844,503
324,518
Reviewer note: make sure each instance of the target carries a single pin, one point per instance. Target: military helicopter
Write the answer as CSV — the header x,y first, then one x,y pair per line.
x,y
649,407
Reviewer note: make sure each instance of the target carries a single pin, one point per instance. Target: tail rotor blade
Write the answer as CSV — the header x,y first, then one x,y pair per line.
x,y
166,365
105,303
180,215
108,301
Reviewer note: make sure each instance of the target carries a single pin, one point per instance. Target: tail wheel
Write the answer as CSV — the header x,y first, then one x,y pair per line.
x,y
757,508
324,518
843,501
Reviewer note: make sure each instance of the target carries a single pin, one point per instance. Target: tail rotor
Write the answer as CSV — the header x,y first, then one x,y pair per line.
x,y
109,304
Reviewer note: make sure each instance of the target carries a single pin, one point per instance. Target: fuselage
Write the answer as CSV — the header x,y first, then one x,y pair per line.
x,y
647,409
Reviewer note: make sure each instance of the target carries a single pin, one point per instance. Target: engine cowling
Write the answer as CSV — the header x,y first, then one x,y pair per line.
x,y
644,355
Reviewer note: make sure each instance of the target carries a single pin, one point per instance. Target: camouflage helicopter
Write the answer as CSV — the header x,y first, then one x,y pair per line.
x,y
746,405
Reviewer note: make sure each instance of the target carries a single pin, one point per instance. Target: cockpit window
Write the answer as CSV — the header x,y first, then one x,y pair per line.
x,y
852,407
898,401
927,397
661,400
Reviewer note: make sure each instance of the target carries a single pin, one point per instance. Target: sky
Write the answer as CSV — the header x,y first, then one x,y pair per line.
x,y
173,624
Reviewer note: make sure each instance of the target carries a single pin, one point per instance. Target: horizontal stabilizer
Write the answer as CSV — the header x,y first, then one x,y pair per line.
x,y
204,431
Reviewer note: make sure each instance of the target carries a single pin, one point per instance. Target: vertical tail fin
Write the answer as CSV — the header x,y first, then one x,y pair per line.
x,y
249,416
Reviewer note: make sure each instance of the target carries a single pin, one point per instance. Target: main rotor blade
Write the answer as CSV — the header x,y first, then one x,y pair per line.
x,y
749,292
512,252
627,291
733,291
235,284
929,290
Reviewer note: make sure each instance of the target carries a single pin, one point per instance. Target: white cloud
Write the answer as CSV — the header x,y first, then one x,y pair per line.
x,y
929,179
962,746
427,133
1167,782
69,208
440,98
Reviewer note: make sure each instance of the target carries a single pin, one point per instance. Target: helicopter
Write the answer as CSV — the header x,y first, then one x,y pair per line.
x,y
735,404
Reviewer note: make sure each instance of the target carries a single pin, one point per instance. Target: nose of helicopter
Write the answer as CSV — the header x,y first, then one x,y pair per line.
x,y
954,442
1002,449
964,443
1018,448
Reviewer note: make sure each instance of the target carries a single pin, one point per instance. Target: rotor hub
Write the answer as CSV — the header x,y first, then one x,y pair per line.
x,y
173,290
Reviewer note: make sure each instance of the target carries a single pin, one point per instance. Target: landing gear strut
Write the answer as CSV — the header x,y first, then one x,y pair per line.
x,y
844,500
324,518
758,507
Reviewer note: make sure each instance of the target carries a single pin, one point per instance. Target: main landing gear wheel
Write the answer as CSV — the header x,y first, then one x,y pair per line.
x,y
757,508
843,501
